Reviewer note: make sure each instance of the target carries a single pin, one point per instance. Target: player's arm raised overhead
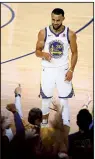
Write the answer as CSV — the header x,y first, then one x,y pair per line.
x,y
40,46
74,50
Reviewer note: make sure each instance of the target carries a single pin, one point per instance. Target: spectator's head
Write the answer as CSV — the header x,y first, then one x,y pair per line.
x,y
35,116
84,119
5,122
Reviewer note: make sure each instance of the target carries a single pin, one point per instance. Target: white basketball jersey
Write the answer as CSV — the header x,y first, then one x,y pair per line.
x,y
57,45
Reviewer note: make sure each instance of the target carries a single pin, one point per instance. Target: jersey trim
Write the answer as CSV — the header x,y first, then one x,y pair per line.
x,y
68,35
45,34
58,33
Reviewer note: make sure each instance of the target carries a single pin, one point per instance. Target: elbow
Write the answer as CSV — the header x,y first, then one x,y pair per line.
x,y
36,53
76,57
76,54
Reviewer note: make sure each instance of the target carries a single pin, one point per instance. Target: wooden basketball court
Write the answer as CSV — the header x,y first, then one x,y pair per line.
x,y
19,38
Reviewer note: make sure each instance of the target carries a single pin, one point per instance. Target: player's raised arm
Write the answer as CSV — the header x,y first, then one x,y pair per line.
x,y
40,46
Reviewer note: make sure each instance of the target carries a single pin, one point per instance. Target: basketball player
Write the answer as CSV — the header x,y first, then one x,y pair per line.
x,y
52,46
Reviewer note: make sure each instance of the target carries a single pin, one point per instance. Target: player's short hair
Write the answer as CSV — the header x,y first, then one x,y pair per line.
x,y
34,114
84,119
58,11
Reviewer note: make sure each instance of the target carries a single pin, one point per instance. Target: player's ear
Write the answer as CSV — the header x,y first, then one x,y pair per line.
x,y
63,18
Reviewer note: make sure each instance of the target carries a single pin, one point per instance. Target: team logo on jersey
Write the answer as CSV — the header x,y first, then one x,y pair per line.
x,y
56,48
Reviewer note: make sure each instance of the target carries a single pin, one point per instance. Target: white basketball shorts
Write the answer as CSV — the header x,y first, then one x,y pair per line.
x,y
55,77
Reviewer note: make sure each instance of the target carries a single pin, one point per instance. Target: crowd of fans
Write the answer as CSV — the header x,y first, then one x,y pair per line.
x,y
30,140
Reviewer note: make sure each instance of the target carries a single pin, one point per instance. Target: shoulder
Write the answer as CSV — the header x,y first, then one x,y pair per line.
x,y
41,32
72,34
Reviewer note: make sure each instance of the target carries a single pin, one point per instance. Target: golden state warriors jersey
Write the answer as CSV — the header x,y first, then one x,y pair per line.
x,y
57,45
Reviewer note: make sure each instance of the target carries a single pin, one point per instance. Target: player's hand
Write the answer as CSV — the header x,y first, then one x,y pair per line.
x,y
69,76
47,56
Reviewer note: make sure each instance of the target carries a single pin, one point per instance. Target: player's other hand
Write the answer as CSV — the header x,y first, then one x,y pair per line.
x,y
69,76
47,56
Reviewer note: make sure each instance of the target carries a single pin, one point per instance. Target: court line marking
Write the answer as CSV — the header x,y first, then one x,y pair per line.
x,y
79,30
12,14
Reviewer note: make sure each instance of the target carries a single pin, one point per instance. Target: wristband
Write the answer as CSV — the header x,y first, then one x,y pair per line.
x,y
17,95
71,70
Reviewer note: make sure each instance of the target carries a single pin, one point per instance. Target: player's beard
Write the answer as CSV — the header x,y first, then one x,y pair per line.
x,y
57,27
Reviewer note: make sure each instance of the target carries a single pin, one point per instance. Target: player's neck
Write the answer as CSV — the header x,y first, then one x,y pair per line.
x,y
57,31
